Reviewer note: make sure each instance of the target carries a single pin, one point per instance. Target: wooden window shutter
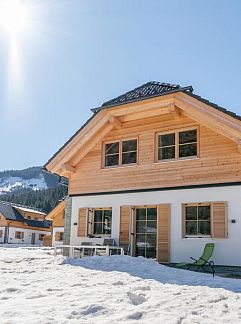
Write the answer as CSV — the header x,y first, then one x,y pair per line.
x,y
125,224
163,228
82,222
219,219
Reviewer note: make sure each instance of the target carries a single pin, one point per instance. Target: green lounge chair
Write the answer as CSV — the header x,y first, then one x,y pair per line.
x,y
202,261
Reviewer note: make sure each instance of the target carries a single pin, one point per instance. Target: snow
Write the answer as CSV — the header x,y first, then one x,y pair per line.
x,y
9,184
28,209
37,287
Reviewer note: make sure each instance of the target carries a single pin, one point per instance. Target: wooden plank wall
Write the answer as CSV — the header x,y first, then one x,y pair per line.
x,y
219,161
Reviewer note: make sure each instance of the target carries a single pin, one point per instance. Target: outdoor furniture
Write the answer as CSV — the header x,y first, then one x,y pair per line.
x,y
202,262
83,251
107,242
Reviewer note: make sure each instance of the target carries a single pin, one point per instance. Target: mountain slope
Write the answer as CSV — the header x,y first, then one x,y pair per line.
x,y
31,187
31,178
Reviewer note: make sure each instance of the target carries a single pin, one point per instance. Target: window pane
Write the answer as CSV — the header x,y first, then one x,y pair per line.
x,y
204,212
111,160
166,140
140,214
188,136
191,213
98,228
108,213
140,227
107,228
128,158
166,153
98,216
140,240
188,150
151,213
191,228
151,240
112,148
204,227
151,227
130,145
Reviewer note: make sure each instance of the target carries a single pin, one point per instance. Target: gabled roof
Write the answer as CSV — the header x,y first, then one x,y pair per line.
x,y
148,90
150,99
10,212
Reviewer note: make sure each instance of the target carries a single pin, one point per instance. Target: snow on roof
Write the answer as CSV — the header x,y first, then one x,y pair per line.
x,y
31,210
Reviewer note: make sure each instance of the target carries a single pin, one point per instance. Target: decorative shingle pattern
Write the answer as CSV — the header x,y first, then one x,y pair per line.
x,y
147,90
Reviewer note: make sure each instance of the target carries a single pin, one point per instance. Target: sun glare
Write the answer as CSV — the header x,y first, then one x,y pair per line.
x,y
14,16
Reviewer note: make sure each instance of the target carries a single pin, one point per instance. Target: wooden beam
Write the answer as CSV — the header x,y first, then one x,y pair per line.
x,y
67,167
208,116
81,153
115,122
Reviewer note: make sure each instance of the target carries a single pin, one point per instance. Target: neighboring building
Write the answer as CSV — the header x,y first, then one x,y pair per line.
x,y
158,169
57,217
22,225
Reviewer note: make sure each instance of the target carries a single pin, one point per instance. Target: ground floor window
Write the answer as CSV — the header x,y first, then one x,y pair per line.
x,y
1,233
146,231
61,236
102,221
19,235
41,237
197,218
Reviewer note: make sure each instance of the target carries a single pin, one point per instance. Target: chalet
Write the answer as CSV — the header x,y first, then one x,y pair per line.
x,y
157,169
22,225
57,217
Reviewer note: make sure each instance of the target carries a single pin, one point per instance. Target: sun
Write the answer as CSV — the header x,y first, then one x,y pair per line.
x,y
14,16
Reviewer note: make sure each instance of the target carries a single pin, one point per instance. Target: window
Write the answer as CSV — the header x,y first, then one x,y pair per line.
x,y
197,220
177,145
112,154
129,151
41,237
102,221
188,143
166,146
61,236
29,217
1,233
19,235
120,153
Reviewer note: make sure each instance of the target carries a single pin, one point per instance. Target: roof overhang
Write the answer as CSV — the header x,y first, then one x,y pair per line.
x,y
101,123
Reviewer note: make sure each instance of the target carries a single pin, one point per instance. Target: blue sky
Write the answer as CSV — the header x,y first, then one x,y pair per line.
x,y
77,54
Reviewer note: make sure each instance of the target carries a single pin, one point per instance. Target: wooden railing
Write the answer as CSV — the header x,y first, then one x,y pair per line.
x,y
80,250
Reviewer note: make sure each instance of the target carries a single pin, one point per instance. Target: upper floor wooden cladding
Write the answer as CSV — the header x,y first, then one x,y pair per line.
x,y
218,160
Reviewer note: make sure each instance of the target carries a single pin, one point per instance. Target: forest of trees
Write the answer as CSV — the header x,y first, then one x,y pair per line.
x,y
45,200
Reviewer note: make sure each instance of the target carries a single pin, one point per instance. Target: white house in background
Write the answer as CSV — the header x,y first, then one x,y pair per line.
x,y
22,225
157,169
57,217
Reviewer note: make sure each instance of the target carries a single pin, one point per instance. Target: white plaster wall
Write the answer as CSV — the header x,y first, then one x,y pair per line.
x,y
227,251
57,229
27,236
2,228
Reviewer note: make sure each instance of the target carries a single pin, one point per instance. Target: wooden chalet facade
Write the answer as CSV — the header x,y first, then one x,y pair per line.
x,y
56,216
158,169
22,225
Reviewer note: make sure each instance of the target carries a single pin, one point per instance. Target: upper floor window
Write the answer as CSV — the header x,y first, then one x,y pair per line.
x,y
102,221
177,145
121,153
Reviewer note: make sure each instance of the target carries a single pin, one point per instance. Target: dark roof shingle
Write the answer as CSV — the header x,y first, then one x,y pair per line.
x,y
145,91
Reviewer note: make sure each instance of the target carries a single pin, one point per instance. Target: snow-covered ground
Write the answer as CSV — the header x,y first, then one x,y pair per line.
x,y
36,287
